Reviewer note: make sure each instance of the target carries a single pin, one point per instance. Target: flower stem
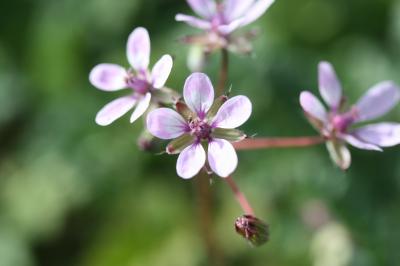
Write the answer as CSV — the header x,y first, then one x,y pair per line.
x,y
267,143
240,197
223,73
206,222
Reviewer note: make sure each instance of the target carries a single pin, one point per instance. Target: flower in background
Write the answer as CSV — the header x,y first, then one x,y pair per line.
x,y
220,19
142,82
337,124
202,120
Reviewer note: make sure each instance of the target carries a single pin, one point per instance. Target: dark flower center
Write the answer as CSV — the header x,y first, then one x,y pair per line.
x,y
200,129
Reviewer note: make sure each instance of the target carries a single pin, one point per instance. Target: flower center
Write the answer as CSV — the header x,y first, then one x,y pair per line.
x,y
341,122
200,129
138,83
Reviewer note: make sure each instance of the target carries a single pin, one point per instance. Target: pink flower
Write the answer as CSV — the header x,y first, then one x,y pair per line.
x,y
201,120
226,16
337,124
142,82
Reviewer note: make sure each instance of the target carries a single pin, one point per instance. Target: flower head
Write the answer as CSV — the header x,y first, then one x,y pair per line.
x,y
220,19
336,124
252,229
138,78
201,120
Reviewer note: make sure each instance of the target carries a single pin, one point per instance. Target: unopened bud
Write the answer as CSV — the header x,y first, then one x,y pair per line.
x,y
252,229
145,141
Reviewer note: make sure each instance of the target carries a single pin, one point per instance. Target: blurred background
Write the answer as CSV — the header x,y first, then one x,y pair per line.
x,y
75,193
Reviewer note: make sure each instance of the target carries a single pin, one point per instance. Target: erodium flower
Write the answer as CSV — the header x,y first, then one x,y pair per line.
x,y
138,78
220,18
337,124
201,121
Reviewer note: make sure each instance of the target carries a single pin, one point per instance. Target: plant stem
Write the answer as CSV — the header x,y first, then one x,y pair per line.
x,y
267,143
223,73
240,197
206,221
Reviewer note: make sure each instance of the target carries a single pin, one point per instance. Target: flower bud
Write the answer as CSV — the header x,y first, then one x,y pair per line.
x,y
253,229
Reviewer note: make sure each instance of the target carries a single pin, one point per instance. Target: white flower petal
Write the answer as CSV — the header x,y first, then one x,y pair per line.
x,y
114,110
312,106
198,93
161,71
204,8
193,21
329,85
138,49
233,113
256,11
108,77
141,107
222,157
190,161
381,134
165,123
377,101
358,143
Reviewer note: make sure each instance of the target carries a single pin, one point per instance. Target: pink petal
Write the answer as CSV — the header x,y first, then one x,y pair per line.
x,y
256,11
141,107
381,134
193,21
377,101
114,110
138,49
222,157
190,161
312,106
358,143
236,8
165,123
108,77
161,71
226,29
329,85
233,113
204,8
198,93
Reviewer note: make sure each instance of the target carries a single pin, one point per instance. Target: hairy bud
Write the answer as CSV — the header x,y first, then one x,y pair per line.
x,y
252,229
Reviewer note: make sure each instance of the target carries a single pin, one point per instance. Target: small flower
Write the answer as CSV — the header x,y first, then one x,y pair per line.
x,y
201,120
220,19
142,82
252,229
336,124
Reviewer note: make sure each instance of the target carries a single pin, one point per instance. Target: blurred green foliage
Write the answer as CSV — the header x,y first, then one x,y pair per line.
x,y
73,193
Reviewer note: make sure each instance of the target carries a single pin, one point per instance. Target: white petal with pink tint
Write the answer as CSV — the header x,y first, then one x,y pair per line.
x,y
312,106
138,49
198,93
108,77
256,11
358,143
193,21
114,110
165,123
226,29
222,157
190,161
377,101
141,107
204,8
233,113
382,134
161,71
329,85
236,8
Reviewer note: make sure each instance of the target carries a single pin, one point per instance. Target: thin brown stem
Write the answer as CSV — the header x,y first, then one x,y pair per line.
x,y
223,72
267,143
206,221
240,197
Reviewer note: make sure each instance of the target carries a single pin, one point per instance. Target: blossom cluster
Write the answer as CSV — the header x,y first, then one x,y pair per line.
x,y
201,125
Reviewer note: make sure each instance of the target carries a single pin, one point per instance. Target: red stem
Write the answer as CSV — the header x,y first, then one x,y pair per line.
x,y
240,197
266,143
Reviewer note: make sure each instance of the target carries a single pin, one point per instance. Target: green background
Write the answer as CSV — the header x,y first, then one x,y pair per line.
x,y
75,193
